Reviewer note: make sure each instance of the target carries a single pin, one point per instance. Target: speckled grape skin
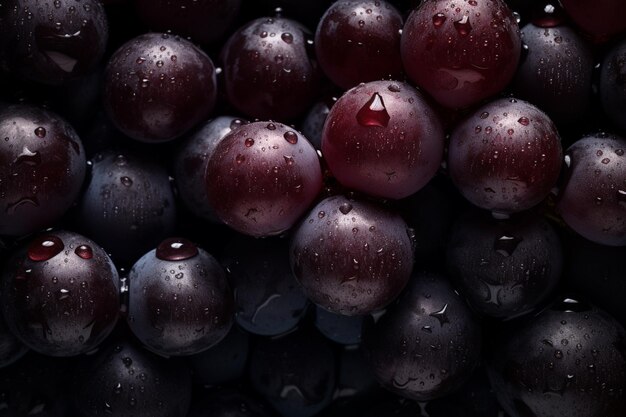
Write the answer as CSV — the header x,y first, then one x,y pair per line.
x,y
262,177
461,52
593,198
568,360
506,156
390,160
157,87
351,257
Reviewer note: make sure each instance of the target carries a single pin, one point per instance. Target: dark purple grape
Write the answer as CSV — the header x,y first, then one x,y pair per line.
x,y
180,302
427,344
556,72
352,257
268,72
461,52
42,168
569,360
613,84
124,380
128,206
227,402
359,41
52,41
262,177
268,299
506,157
11,348
60,294
157,87
294,373
593,198
191,160
313,124
345,330
355,376
225,361
382,138
505,268
204,21
602,20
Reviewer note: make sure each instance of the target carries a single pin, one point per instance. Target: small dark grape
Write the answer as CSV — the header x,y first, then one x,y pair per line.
x,y
180,302
51,42
382,138
313,123
461,52
294,373
602,19
60,294
593,198
262,177
268,73
613,84
505,268
569,360
157,87
359,41
427,344
345,330
506,157
351,257
42,168
124,380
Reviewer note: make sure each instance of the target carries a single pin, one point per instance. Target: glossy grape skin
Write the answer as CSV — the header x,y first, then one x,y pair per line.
x,y
295,373
262,177
613,84
128,206
203,21
506,156
37,144
268,299
602,20
157,87
268,71
461,53
227,402
60,294
569,360
592,200
351,257
223,362
556,72
359,41
124,380
428,342
52,42
505,268
382,138
179,306
345,330
191,160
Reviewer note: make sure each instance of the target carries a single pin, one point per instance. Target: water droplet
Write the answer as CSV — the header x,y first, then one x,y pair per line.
x,y
373,113
249,142
44,248
84,251
239,159
568,160
484,115
345,208
524,121
287,37
439,19
291,137
463,26
505,245
176,249
126,181
288,159
394,88
127,361
40,132
606,161
441,315
28,158
321,215
271,126
62,294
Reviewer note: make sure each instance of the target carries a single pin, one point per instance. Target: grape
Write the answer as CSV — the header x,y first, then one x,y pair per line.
x,y
157,87
350,256
227,402
262,177
461,52
359,41
382,138
506,157
602,21
345,330
613,84
592,200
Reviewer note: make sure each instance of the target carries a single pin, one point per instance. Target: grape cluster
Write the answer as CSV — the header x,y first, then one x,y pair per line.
x,y
312,208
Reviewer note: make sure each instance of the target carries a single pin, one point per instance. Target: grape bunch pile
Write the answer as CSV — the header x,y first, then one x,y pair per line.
x,y
299,208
